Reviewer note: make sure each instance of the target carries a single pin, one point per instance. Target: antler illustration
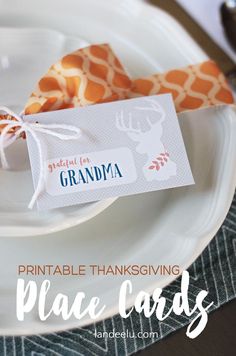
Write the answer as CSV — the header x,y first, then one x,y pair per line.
x,y
155,107
122,126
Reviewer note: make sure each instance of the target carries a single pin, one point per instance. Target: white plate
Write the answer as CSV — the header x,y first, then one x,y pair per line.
x,y
168,227
78,23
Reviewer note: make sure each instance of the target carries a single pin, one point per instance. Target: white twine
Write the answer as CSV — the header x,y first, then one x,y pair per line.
x,y
32,128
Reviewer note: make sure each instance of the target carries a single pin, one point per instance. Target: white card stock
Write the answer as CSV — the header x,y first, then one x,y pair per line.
x,y
126,147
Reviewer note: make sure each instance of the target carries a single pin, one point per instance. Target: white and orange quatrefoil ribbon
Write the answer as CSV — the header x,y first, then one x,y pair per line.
x,y
94,75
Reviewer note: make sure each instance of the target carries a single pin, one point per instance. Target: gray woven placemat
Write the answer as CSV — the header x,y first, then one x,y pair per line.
x,y
214,270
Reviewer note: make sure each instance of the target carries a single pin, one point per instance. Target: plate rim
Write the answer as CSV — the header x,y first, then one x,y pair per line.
x,y
208,236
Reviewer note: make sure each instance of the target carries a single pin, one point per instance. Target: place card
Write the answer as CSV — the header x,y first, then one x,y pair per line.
x,y
126,147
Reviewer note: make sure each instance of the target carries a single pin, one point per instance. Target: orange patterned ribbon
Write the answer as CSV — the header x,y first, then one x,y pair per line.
x,y
193,87
94,75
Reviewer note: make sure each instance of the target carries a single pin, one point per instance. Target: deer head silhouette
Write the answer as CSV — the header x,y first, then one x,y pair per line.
x,y
149,141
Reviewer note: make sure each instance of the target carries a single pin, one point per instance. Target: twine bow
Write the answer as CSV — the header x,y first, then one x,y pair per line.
x,y
20,126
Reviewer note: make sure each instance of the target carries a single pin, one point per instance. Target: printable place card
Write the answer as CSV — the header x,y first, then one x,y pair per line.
x,y
126,147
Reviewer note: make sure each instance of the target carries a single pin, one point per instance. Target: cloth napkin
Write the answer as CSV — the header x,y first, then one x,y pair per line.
x,y
95,74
